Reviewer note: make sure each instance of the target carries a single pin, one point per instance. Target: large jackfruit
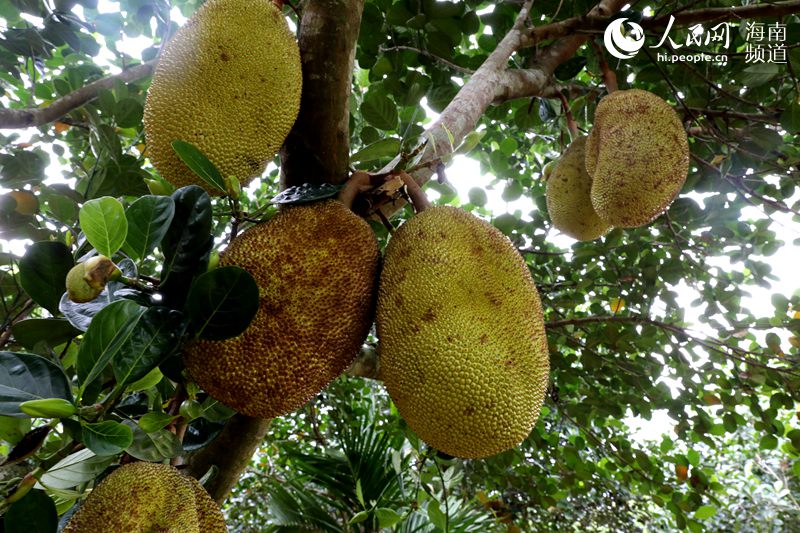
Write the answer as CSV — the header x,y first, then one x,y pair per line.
x,y
568,195
143,496
229,82
638,156
316,268
463,351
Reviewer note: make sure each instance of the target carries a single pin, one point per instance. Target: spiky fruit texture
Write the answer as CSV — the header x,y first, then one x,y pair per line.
x,y
316,267
143,496
229,83
638,156
463,351
568,195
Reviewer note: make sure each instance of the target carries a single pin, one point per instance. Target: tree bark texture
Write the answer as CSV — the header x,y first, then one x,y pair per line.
x,y
317,149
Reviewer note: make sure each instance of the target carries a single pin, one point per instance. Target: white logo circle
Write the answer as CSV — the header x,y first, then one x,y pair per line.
x,y
620,45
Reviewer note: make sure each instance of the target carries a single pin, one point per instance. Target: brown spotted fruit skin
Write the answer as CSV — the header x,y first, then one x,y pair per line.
x,y
316,266
144,496
228,82
463,351
568,196
638,156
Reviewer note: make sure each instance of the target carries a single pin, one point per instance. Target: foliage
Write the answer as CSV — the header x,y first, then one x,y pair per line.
x,y
623,341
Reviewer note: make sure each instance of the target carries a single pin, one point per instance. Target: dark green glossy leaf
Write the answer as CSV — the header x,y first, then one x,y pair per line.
x,y
26,377
43,272
379,110
199,164
149,218
377,150
222,303
154,337
156,446
34,513
307,192
186,245
108,333
51,331
107,437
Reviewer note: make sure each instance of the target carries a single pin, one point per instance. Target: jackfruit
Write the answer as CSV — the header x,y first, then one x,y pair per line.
x,y
140,497
638,156
463,351
316,268
229,83
568,195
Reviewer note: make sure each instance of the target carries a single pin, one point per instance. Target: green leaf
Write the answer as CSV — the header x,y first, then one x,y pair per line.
x,y
51,331
75,469
148,218
12,430
359,517
790,118
104,224
768,442
48,408
128,113
704,512
758,74
222,302
34,513
155,421
199,164
107,437
107,333
377,150
379,110
359,493
154,447
387,517
43,273
155,335
25,377
186,245
436,515
477,196
693,457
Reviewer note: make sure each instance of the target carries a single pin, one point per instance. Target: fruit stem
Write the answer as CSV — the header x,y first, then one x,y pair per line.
x,y
572,126
358,183
609,77
418,198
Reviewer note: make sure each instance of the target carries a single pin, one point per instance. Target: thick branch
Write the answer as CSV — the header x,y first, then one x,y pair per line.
x,y
599,21
25,118
230,452
317,149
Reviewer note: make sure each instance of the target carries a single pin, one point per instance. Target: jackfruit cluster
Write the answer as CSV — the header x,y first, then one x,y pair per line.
x,y
316,308
228,82
139,497
463,351
568,195
637,154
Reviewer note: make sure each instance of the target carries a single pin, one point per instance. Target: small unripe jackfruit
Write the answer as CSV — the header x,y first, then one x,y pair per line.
x,y
229,83
86,280
140,497
638,156
463,351
316,269
568,195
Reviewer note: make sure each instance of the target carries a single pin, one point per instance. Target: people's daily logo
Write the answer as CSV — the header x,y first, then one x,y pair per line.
x,y
623,44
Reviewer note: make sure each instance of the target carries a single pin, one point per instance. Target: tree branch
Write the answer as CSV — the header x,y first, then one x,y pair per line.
x,y
38,116
683,18
317,149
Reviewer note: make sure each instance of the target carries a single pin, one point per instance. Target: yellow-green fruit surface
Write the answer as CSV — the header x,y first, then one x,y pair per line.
x,y
316,266
638,156
568,195
463,351
229,83
147,497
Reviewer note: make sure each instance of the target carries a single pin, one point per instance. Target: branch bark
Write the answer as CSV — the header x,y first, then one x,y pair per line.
x,y
317,149
38,116
230,452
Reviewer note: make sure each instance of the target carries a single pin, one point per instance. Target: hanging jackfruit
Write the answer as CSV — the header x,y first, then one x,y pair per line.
x,y
229,83
638,156
463,351
316,268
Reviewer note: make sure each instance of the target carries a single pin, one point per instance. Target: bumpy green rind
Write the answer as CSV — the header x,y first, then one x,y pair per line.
x,y
463,351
